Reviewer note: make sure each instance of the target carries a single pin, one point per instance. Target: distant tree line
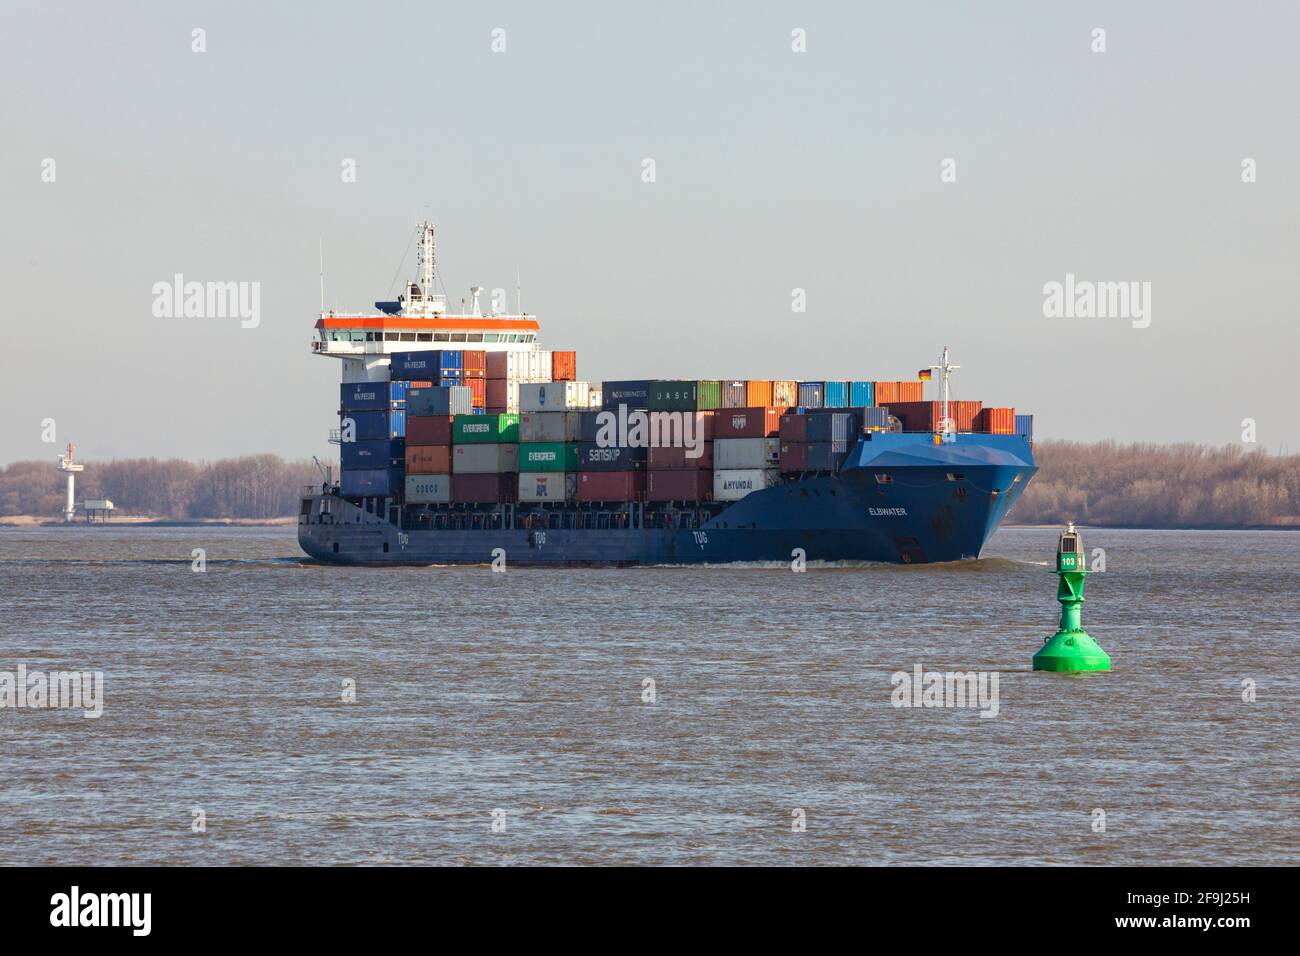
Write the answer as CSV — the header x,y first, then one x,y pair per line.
x,y
254,486
1160,486
1151,486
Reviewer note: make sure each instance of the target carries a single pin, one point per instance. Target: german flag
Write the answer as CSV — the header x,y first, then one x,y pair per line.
x,y
924,375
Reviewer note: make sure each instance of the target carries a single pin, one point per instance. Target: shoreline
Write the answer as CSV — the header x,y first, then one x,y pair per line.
x,y
144,521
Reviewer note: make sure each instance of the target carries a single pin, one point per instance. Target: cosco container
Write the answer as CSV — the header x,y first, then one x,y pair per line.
x,y
632,393
833,426
371,482
674,396
678,485
861,394
733,395
812,394
484,429
746,453
428,429
554,396
747,423
680,458
836,395
547,486
440,400
611,485
483,489
428,489
734,485
428,459
385,423
484,459
550,426
594,457
548,456
372,453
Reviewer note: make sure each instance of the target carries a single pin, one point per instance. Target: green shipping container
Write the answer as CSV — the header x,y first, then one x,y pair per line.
x,y
548,456
675,396
485,430
708,395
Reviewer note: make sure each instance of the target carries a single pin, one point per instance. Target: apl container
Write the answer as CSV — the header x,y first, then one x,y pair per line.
x,y
554,396
679,459
440,400
428,489
373,453
547,486
484,429
594,457
611,485
632,393
371,482
747,423
484,459
385,423
678,485
861,394
812,394
548,456
428,459
483,489
550,426
746,453
734,485
428,429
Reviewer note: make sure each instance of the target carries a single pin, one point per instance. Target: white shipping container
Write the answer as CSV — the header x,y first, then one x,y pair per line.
x,y
484,459
539,365
550,426
742,453
547,485
428,489
734,484
553,396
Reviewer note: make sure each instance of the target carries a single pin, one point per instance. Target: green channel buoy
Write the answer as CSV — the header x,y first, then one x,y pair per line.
x,y
1071,648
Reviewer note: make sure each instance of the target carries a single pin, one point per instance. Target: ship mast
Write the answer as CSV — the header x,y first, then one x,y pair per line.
x,y
945,368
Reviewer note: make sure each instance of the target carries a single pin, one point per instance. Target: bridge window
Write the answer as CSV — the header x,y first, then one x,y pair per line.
x,y
458,336
424,336
490,336
442,336
408,336
474,337
390,337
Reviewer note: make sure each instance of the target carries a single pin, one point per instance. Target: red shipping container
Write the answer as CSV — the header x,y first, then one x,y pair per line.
x,y
794,456
484,489
996,421
887,393
611,485
428,429
497,364
748,423
428,459
497,393
679,485
794,428
924,416
477,391
564,368
421,385
473,363
675,459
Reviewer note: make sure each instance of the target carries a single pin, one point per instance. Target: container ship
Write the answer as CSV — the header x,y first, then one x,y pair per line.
x,y
463,441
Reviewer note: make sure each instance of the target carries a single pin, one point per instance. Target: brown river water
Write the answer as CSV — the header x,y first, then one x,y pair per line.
x,y
499,718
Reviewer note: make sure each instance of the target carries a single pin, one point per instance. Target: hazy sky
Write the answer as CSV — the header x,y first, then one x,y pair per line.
x,y
775,170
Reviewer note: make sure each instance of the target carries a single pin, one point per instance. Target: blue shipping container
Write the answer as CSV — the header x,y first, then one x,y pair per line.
x,y
835,395
634,393
826,455
440,400
376,424
875,417
373,453
372,482
1025,426
362,395
811,394
862,394
423,366
834,427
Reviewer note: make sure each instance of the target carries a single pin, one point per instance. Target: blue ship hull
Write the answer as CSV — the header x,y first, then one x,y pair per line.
x,y
896,498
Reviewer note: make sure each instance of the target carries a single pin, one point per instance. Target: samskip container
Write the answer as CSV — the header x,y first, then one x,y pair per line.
x,y
594,457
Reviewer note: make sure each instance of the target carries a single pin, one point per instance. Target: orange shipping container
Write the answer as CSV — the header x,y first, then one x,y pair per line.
x,y
428,459
925,416
785,392
887,393
477,391
564,366
758,393
996,421
474,363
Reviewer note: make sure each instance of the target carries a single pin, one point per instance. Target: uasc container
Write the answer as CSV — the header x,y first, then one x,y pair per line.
x,y
674,396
